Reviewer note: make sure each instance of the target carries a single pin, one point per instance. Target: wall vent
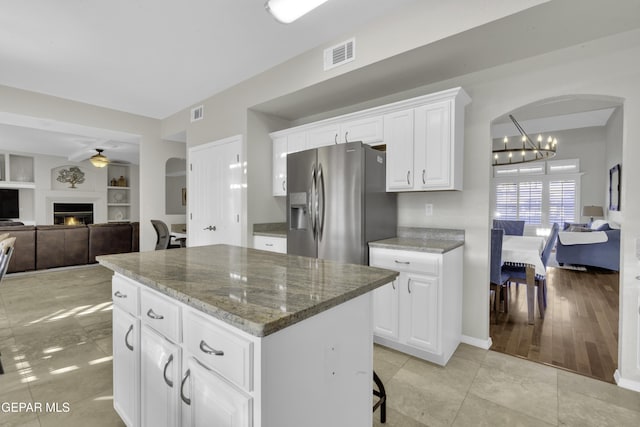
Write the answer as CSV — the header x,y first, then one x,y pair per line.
x,y
197,113
339,54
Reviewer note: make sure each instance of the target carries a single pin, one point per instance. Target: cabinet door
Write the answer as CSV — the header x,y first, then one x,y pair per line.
x,y
280,166
212,401
126,366
367,130
323,135
433,156
398,136
159,380
385,311
423,317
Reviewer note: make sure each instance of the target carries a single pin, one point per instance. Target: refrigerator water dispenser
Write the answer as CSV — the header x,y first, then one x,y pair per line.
x,y
298,211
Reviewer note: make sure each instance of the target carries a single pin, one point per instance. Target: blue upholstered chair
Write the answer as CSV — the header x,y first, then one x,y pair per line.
x,y
510,227
518,274
498,279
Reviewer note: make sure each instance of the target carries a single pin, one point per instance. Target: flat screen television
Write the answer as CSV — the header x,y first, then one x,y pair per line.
x,y
9,203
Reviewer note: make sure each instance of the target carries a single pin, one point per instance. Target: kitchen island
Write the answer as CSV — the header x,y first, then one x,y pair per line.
x,y
229,336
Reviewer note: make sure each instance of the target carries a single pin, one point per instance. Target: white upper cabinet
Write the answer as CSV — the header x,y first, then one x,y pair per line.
x,y
398,128
283,145
424,138
322,136
368,130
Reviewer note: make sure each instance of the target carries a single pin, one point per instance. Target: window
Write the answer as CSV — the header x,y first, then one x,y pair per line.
x,y
562,201
537,193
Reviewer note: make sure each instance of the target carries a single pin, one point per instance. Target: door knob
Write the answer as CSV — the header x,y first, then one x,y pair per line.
x,y
210,228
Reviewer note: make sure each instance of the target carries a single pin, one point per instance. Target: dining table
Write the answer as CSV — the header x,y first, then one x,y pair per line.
x,y
525,251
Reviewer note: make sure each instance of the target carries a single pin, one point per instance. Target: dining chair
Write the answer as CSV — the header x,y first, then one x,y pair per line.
x,y
497,278
6,250
519,275
163,237
510,227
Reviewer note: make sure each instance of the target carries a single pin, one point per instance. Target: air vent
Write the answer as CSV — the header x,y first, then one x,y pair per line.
x,y
197,113
339,54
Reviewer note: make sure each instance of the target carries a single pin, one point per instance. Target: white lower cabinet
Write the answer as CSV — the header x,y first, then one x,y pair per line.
x,y
159,380
126,366
420,313
175,365
211,400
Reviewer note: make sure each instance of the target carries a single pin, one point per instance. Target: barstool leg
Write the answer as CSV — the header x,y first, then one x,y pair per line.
x,y
382,394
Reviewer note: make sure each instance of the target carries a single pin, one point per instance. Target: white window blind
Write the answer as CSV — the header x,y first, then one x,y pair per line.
x,y
562,201
530,202
507,201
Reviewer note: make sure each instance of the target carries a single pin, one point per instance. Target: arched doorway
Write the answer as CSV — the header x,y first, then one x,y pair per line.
x,y
579,331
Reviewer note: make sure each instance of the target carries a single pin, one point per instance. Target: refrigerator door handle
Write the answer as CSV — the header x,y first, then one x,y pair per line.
x,y
320,204
312,201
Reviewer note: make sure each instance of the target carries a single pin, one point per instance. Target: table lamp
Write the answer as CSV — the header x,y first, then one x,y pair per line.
x,y
592,211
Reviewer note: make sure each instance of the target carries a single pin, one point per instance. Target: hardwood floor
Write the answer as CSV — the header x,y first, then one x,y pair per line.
x,y
580,329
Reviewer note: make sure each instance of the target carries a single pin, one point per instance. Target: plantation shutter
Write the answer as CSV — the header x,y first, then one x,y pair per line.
x,y
562,201
507,201
530,202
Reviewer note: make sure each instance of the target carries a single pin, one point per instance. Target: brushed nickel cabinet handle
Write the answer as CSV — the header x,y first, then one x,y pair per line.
x,y
126,338
423,172
408,174
120,294
184,398
205,348
164,373
153,315
409,285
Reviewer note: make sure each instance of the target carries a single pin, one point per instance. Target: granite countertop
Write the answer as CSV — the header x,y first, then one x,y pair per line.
x,y
434,240
271,229
256,291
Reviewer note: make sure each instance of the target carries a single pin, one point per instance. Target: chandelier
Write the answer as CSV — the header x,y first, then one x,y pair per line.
x,y
527,151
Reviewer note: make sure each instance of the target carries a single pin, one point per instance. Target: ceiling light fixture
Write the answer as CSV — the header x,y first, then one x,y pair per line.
x,y
99,160
527,152
287,11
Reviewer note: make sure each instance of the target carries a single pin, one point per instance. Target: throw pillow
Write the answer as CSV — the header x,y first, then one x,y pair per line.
x,y
578,228
603,227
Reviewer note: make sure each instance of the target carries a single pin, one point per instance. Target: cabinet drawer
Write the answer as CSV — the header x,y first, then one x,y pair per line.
x,y
273,244
161,314
410,261
221,350
125,294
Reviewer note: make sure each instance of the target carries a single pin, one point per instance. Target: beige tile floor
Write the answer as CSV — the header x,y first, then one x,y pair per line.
x,y
55,339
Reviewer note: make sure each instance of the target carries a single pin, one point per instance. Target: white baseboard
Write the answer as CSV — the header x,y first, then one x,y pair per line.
x,y
476,342
628,384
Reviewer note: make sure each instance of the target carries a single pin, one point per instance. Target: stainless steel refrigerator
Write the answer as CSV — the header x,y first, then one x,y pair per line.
x,y
337,202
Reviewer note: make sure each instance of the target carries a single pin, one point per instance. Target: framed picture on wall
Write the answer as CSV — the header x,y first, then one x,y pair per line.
x,y
614,188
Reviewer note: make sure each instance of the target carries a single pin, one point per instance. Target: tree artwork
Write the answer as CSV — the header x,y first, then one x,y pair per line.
x,y
73,176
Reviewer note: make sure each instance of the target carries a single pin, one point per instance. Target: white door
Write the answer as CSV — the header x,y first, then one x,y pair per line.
x,y
422,314
160,380
126,365
214,199
213,402
398,136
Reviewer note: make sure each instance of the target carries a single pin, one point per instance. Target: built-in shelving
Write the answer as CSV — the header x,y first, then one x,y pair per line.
x,y
118,193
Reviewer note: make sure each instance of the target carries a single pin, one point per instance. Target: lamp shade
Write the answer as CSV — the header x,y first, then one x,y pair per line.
x,y
99,160
592,211
287,11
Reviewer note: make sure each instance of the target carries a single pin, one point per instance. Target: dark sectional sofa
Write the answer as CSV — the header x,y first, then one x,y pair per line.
x,y
48,246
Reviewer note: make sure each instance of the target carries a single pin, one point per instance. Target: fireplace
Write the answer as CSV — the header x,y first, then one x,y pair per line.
x,y
73,213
